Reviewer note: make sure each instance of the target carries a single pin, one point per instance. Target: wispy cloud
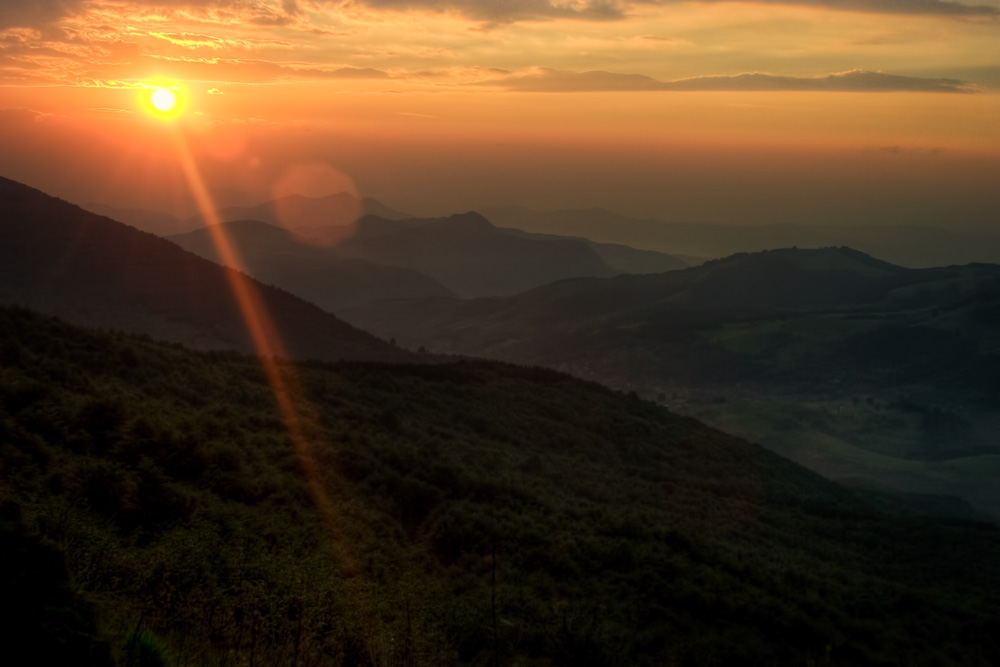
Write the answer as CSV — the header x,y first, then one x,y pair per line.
x,y
254,70
193,41
280,13
42,13
549,80
507,11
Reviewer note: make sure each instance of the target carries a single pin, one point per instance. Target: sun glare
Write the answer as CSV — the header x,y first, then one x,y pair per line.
x,y
163,100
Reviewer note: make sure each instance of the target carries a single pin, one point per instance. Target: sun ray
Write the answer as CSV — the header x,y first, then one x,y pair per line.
x,y
292,401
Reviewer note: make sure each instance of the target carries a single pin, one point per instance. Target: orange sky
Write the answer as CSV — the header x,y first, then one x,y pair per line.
x,y
823,111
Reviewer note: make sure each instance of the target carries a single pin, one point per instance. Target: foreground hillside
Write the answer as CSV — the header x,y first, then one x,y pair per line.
x,y
59,259
473,513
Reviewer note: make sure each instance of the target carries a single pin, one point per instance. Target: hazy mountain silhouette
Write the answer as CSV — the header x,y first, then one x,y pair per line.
x,y
317,217
316,273
377,258
154,222
787,337
621,258
470,256
908,245
310,215
59,259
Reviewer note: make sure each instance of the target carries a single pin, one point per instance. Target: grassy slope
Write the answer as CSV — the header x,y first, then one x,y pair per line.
x,y
621,533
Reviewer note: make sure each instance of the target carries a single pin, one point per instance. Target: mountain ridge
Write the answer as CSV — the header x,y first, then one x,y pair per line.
x,y
61,259
314,272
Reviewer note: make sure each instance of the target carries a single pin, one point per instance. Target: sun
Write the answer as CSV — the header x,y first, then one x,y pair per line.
x,y
163,100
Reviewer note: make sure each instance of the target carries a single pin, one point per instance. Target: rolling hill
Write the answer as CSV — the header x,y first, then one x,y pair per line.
x,y
467,254
863,370
59,259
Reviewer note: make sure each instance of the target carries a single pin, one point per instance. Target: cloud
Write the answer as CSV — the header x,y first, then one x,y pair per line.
x,y
549,80
279,13
340,72
35,13
908,150
20,116
942,7
234,70
508,11
193,41
44,13
545,80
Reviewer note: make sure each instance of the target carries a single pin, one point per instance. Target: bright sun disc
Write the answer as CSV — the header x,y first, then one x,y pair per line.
x,y
163,99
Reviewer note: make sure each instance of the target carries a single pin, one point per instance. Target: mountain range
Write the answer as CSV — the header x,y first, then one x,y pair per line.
x,y
60,259
908,245
865,371
772,346
314,215
329,220
377,258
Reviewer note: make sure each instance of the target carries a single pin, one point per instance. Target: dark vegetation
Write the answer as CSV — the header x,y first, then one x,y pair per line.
x,y
156,511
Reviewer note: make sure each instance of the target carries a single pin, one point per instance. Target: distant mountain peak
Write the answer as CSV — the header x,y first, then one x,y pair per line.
x,y
469,219
831,258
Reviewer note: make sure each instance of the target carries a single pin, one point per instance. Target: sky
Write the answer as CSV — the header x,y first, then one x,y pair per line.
x,y
819,111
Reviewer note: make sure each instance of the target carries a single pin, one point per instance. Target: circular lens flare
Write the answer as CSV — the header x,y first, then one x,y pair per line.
x,y
163,100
